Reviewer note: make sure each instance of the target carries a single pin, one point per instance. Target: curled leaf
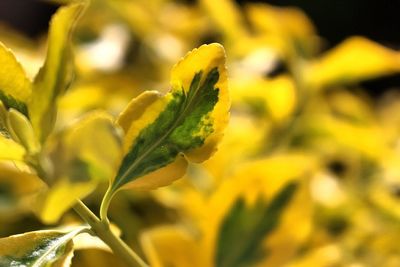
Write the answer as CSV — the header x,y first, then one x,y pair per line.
x,y
55,75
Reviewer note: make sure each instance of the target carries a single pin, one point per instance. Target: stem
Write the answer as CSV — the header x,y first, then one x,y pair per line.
x,y
103,231
105,204
99,227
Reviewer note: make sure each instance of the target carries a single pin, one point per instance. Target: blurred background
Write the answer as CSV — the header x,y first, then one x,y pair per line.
x,y
314,87
335,21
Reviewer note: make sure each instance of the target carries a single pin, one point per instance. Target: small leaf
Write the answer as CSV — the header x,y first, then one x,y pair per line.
x,y
10,150
227,16
171,246
55,76
18,189
279,101
245,228
163,132
38,249
288,29
88,153
21,130
15,87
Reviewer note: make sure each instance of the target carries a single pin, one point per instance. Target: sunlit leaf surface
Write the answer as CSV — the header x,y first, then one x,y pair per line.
x,y
55,75
15,87
163,132
37,249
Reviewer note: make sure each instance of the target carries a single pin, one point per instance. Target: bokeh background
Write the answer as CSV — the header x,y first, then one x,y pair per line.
x,y
308,173
334,20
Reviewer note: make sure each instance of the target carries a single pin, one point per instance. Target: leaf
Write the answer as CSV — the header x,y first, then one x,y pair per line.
x,y
10,150
354,60
55,75
88,153
38,249
275,97
289,27
21,130
62,195
226,15
89,149
171,246
18,189
245,228
163,132
15,87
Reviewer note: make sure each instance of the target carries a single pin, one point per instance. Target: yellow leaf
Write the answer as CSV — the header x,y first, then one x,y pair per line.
x,y
15,87
55,75
292,30
19,189
227,16
10,150
336,133
170,246
21,130
352,61
87,154
275,97
54,202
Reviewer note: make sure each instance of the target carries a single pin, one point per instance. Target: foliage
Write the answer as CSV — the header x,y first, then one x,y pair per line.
x,y
305,172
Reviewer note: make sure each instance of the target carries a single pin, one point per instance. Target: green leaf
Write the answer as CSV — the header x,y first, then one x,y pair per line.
x,y
163,132
245,228
15,87
38,249
56,73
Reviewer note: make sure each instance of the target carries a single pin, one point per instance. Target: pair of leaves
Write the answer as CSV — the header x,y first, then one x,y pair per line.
x,y
28,109
37,100
162,133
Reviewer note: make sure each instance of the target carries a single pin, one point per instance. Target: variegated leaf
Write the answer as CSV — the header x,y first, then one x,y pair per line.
x,y
38,249
164,132
15,87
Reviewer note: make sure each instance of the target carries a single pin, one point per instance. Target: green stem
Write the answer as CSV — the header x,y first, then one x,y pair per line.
x,y
103,231
100,228
105,204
